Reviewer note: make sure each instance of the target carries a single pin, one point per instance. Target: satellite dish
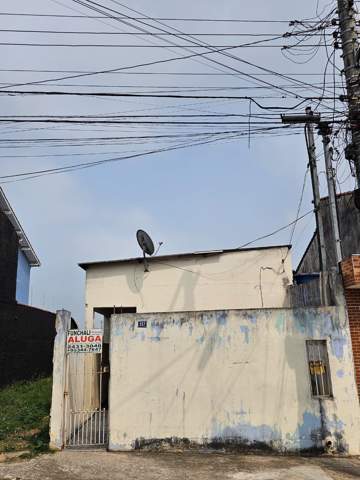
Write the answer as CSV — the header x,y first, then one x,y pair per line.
x,y
146,245
145,242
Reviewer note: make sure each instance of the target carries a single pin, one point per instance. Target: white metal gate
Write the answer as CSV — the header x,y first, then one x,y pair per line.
x,y
85,419
87,429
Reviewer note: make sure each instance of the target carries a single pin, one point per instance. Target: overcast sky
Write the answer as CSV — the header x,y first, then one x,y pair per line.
x,y
213,196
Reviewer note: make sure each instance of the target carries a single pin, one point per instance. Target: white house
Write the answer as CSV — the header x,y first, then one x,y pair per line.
x,y
203,349
209,280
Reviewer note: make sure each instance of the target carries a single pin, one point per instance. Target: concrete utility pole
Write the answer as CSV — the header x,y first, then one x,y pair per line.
x,y
309,119
325,131
351,51
310,143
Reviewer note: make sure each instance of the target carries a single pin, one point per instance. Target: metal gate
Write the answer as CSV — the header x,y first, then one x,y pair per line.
x,y
87,429
85,418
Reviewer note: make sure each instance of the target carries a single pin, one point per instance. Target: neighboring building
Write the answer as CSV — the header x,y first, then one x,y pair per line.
x,y
206,351
17,256
309,267
26,333
349,226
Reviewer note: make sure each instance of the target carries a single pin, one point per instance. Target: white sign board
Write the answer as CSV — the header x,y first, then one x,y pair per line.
x,y
84,341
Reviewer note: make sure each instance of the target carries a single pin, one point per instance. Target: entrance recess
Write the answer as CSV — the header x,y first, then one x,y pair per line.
x,y
85,406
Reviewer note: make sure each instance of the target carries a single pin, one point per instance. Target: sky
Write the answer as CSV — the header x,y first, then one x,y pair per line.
x,y
219,195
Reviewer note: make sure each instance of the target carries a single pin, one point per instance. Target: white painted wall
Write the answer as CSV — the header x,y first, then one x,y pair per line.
x,y
242,279
239,375
62,324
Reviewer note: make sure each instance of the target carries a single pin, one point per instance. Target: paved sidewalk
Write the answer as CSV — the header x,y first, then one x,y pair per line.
x,y
100,465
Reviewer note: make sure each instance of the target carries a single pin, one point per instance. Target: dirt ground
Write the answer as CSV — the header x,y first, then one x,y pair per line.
x,y
101,465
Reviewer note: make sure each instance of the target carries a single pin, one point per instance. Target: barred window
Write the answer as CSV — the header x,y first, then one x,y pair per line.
x,y
319,368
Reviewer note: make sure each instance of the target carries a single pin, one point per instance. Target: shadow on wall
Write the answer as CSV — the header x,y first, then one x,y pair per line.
x,y
186,287
136,279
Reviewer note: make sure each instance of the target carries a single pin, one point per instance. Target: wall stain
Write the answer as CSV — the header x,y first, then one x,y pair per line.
x,y
244,329
337,346
221,318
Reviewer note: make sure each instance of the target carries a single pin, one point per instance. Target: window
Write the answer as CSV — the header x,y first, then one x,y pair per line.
x,y
319,368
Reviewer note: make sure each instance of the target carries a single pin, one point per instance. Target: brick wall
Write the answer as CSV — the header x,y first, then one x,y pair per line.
x,y
352,296
350,269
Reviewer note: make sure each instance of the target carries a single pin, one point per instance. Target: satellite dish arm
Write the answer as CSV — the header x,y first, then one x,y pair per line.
x,y
146,263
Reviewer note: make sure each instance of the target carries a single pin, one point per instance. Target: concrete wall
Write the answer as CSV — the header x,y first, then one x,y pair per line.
x,y
26,342
242,279
230,376
22,279
59,400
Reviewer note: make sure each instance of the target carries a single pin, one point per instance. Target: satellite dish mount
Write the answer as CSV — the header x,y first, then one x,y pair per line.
x,y
146,245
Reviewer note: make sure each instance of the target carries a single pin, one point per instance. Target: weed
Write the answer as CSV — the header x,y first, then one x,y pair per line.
x,y
24,416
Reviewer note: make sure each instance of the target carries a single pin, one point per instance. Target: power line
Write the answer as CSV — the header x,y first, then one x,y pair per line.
x,y
94,6
191,39
300,203
154,34
264,116
112,70
182,88
155,95
178,33
276,231
20,70
133,138
119,45
129,122
111,15
36,173
216,20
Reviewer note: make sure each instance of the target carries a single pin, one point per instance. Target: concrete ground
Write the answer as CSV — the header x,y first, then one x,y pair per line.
x,y
100,465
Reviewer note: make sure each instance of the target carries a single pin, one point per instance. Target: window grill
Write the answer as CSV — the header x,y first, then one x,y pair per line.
x,y
319,368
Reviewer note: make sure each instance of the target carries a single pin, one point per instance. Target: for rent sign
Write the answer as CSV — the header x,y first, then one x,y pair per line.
x,y
84,341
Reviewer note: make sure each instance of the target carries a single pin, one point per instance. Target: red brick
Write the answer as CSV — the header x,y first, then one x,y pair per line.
x,y
352,297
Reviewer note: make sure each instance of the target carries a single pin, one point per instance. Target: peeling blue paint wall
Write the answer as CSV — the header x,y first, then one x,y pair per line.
x,y
231,376
22,279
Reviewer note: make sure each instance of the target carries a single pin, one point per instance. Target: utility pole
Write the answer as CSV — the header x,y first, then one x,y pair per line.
x,y
325,131
310,143
351,58
309,119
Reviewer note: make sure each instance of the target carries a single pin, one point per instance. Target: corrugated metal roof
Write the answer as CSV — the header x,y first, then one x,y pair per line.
x,y
24,243
205,253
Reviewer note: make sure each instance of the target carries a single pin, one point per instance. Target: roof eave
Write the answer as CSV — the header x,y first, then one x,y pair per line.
x,y
24,243
86,265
